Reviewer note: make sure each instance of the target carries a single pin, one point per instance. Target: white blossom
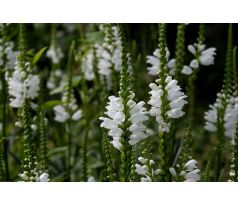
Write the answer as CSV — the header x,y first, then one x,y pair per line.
x,y
109,54
44,177
187,70
116,117
189,171
22,86
175,99
68,111
230,116
147,172
202,56
91,179
55,54
154,62
87,65
7,49
61,115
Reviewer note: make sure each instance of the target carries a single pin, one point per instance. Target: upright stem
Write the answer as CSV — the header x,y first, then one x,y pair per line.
x,y
164,139
180,50
126,149
69,90
4,109
85,157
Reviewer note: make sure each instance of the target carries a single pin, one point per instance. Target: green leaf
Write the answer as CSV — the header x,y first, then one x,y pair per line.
x,y
51,104
57,90
56,151
1,140
38,55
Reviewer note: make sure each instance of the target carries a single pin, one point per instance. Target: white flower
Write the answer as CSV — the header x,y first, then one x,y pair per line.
x,y
202,56
22,85
189,172
194,63
56,79
11,55
91,179
191,165
110,53
154,61
175,99
187,70
72,112
230,116
16,90
77,115
87,65
141,169
32,84
61,115
207,56
55,54
142,160
211,119
116,116
192,49
146,170
44,177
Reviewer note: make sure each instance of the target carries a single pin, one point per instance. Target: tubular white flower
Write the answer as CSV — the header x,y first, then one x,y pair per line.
x,y
154,61
116,116
55,54
175,99
202,56
189,172
11,55
207,56
211,119
44,177
110,54
22,86
87,65
146,170
77,115
187,70
68,111
91,179
61,115
194,63
230,116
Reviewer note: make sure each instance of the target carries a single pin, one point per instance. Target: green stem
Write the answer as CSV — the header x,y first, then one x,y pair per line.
x,y
85,158
108,158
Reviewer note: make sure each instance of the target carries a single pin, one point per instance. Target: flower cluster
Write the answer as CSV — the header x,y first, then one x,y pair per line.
x,y
230,116
109,53
175,98
190,171
55,79
154,61
6,48
87,65
55,54
146,169
201,55
116,116
44,177
66,111
23,85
